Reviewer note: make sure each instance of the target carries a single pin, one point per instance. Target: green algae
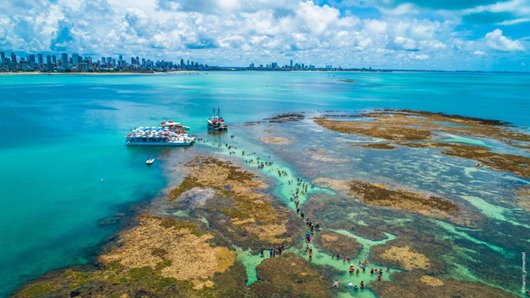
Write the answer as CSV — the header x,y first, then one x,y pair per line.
x,y
39,289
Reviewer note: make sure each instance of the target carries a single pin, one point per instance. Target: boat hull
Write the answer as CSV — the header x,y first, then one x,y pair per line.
x,y
218,128
170,144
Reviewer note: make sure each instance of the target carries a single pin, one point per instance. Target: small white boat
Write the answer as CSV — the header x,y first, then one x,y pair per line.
x,y
150,161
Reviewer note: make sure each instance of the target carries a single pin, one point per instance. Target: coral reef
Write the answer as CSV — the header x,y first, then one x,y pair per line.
x,y
404,199
290,276
161,257
178,252
289,117
335,243
522,196
408,259
412,285
320,155
418,129
381,146
239,210
335,184
412,251
276,140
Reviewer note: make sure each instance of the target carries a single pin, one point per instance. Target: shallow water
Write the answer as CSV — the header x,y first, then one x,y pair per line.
x,y
67,174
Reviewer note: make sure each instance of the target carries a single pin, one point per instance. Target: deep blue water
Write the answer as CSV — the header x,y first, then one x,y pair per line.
x,y
65,168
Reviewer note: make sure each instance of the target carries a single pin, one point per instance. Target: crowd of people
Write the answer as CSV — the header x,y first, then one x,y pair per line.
x,y
301,189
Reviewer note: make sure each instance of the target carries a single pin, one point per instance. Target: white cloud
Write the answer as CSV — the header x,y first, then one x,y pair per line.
x,y
499,42
419,56
400,10
238,32
405,43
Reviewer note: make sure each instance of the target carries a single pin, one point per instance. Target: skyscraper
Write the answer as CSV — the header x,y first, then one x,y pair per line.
x,y
31,59
64,61
14,58
49,62
75,60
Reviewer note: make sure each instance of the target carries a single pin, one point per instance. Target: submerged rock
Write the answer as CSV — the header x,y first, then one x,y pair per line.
x,y
404,199
289,117
276,140
290,276
335,243
406,285
422,129
243,214
161,257
522,196
412,251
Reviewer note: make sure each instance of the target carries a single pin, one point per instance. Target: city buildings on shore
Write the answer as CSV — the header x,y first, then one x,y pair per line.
x,y
74,62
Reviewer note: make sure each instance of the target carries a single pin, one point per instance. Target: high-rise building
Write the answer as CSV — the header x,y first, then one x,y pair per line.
x,y
2,58
75,61
14,58
49,62
31,59
54,60
40,59
64,61
291,63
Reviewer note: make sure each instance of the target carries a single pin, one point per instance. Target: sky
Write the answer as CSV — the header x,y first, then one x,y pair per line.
x,y
488,35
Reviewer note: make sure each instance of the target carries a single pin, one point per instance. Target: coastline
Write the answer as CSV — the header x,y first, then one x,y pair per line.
x,y
100,73
229,69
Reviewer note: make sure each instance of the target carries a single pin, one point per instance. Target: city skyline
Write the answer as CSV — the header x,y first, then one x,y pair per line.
x,y
74,62
484,35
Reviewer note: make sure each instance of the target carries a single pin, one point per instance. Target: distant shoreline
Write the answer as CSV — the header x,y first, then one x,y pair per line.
x,y
184,72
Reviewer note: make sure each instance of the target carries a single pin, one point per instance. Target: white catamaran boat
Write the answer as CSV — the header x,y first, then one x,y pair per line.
x,y
169,133
216,122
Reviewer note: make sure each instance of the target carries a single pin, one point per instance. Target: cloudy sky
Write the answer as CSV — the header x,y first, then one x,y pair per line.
x,y
407,34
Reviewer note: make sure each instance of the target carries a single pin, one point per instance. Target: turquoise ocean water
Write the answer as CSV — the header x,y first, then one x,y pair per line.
x,y
66,173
